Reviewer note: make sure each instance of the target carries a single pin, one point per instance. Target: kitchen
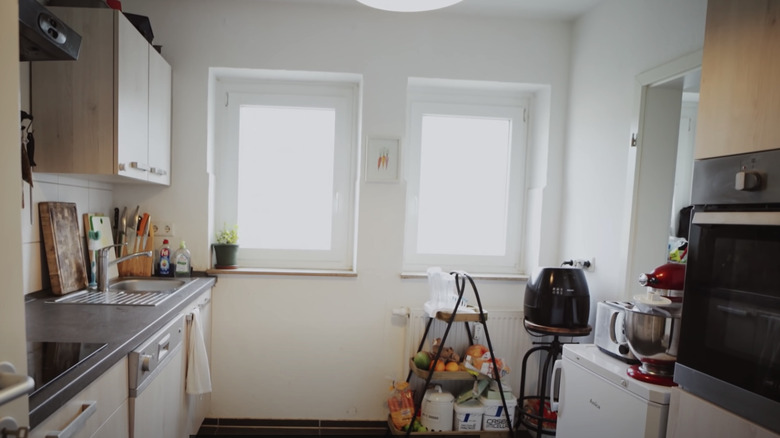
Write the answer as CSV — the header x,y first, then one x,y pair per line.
x,y
590,63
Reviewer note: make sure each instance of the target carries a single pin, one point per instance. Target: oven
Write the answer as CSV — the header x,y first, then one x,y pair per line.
x,y
729,352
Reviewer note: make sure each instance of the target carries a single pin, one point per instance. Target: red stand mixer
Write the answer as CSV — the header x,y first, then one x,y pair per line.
x,y
652,325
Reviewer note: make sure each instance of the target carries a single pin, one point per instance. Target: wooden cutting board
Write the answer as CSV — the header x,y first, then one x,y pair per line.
x,y
63,244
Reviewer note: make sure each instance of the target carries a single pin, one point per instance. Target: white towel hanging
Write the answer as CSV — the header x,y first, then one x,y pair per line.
x,y
198,373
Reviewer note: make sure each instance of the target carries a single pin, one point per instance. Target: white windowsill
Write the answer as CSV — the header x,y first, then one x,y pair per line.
x,y
500,277
290,272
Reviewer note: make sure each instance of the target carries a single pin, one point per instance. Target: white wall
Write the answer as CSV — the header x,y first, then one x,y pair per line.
x,y
12,320
308,347
89,197
612,44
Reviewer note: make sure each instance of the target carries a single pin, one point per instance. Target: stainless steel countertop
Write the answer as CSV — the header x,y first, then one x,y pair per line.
x,y
122,328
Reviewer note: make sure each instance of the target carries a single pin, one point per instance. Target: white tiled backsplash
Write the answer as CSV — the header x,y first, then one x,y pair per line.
x,y
89,196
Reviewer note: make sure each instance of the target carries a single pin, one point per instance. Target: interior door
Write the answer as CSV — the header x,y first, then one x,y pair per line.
x,y
13,347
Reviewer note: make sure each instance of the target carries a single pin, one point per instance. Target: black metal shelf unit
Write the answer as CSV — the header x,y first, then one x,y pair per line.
x,y
461,280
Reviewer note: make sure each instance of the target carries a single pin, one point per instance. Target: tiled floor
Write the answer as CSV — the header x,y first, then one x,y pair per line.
x,y
306,428
244,428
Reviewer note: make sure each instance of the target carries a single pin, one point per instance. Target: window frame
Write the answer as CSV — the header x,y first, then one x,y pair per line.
x,y
302,90
470,100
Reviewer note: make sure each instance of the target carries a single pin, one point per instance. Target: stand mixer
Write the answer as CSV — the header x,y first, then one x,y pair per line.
x,y
652,325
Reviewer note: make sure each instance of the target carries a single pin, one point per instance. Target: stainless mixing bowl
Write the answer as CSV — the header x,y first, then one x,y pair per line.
x,y
653,337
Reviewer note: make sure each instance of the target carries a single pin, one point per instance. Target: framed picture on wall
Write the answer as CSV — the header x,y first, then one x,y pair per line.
x,y
382,159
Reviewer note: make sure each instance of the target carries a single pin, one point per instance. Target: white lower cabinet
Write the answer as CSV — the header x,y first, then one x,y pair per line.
x,y
694,417
197,406
117,424
100,410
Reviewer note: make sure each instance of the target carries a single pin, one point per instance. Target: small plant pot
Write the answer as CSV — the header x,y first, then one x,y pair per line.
x,y
226,254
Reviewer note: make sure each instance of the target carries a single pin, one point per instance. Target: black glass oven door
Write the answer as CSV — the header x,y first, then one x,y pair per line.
x,y
731,309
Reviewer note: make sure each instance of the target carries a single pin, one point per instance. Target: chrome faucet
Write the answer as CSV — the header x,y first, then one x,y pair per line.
x,y
103,263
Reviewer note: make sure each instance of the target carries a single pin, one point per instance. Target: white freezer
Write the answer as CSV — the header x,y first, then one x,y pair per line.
x,y
597,399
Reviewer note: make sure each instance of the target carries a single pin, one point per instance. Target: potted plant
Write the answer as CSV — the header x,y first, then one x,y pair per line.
x,y
226,248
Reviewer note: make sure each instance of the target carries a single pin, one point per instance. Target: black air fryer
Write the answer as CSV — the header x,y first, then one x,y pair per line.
x,y
557,297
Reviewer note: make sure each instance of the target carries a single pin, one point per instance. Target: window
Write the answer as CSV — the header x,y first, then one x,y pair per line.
x,y
286,170
465,179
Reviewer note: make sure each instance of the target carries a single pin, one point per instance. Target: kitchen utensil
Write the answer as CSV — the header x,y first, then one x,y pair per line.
x,y
132,229
101,223
140,233
557,297
653,337
115,225
64,250
122,230
145,223
92,238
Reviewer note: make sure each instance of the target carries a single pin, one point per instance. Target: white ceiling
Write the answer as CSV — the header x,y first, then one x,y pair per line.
x,y
556,9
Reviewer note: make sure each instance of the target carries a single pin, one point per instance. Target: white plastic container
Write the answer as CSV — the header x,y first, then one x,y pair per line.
x,y
437,410
494,417
468,415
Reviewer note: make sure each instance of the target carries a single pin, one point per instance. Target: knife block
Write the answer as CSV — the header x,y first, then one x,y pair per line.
x,y
139,266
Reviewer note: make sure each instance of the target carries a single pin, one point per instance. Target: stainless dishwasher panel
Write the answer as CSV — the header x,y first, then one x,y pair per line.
x,y
149,358
156,378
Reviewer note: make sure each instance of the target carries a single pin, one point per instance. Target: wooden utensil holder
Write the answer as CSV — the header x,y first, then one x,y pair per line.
x,y
141,266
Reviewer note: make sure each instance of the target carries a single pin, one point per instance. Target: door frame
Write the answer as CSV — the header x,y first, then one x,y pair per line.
x,y
636,257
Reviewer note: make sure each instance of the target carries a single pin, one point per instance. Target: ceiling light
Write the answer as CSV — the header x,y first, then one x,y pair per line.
x,y
409,5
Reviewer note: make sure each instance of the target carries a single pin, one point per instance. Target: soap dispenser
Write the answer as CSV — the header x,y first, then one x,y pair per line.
x,y
181,264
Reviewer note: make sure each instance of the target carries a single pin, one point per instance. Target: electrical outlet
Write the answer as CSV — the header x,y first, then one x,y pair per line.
x,y
586,264
163,229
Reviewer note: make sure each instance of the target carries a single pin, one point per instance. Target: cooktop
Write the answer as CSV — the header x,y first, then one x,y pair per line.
x,y
47,361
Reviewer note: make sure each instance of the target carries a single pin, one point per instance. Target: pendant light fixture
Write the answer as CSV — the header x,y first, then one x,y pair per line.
x,y
409,5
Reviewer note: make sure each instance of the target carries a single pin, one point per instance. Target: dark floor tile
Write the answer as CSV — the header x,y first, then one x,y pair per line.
x,y
353,431
266,431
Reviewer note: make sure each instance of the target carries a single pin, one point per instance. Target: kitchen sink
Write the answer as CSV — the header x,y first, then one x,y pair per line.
x,y
147,285
141,291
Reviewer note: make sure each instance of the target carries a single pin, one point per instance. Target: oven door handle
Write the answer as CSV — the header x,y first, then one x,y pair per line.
x,y
770,218
735,312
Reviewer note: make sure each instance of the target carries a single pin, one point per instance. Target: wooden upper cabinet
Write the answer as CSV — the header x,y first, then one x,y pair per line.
x,y
100,115
739,104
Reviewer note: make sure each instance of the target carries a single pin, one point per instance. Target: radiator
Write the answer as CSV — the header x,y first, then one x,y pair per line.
x,y
507,334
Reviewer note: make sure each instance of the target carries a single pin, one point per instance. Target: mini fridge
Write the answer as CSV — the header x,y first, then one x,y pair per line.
x,y
597,399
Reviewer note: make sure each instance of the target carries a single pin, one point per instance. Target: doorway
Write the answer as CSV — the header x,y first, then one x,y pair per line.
x,y
660,164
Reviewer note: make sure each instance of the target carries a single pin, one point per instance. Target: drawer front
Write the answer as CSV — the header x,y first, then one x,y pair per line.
x,y
108,393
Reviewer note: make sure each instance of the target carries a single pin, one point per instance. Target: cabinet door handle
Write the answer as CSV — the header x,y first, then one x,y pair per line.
x,y
139,166
87,409
158,171
558,365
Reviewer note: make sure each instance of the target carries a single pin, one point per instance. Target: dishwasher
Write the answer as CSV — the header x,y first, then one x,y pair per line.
x,y
156,382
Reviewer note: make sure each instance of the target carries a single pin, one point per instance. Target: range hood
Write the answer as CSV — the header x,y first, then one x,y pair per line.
x,y
43,36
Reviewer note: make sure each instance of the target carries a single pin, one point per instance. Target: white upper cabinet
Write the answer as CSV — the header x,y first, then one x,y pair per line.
x,y
159,119
108,113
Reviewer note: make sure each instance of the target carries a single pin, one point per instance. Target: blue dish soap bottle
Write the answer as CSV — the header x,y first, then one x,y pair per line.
x,y
164,262
181,267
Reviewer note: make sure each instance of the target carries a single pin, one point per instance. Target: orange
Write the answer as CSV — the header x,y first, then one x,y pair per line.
x,y
439,366
452,366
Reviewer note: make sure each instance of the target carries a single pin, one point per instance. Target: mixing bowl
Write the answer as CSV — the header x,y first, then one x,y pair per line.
x,y
653,337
